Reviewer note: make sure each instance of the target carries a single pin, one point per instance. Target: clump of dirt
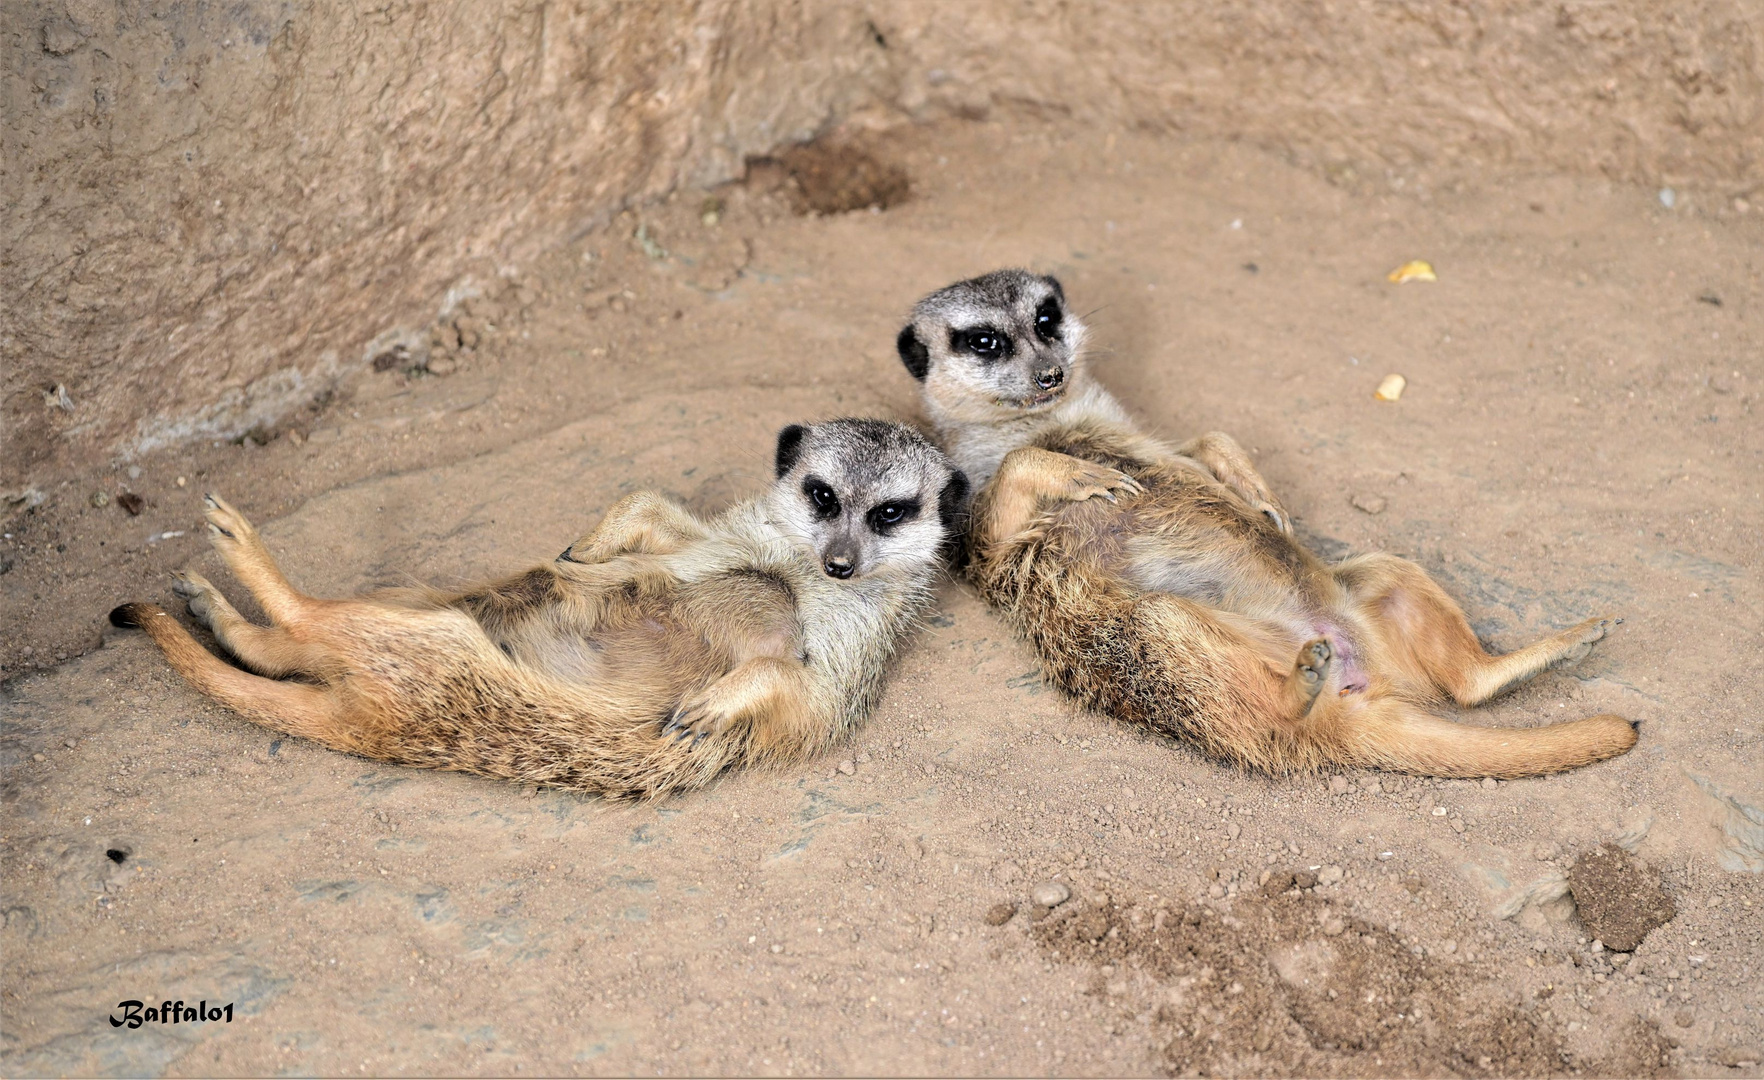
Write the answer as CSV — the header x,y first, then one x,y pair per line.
x,y
1620,897
833,177
1286,986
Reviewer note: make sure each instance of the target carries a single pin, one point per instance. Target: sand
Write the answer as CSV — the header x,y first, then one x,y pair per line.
x,y
1579,435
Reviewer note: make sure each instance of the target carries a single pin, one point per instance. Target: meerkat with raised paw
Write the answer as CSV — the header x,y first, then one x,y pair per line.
x,y
1161,583
652,654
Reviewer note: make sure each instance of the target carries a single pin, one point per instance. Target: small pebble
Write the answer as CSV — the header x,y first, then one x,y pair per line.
x,y
1338,785
848,767
1668,198
69,743
1333,926
38,757
1329,875
1488,783
1050,894
1391,388
1304,879
100,499
131,502
999,914
1369,503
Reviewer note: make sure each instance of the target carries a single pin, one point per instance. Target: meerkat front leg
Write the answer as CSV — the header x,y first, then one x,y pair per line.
x,y
1232,467
642,522
1029,475
767,692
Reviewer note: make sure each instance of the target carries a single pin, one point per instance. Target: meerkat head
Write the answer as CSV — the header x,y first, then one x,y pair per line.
x,y
993,347
865,495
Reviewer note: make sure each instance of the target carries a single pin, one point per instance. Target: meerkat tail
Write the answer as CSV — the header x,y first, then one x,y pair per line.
x,y
290,707
1393,734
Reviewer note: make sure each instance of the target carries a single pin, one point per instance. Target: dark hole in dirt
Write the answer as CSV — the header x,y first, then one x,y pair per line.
x,y
829,177
117,855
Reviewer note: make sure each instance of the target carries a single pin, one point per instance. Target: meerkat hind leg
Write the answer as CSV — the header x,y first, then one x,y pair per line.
x,y
268,650
1311,671
1425,631
642,522
237,542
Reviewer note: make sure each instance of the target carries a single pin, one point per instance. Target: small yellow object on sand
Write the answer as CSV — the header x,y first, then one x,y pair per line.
x,y
1391,388
1418,270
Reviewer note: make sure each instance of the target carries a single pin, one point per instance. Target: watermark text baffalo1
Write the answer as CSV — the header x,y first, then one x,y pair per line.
x,y
136,1013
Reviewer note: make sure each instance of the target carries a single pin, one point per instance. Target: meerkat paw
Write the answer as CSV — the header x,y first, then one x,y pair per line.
x,y
200,597
1314,661
1087,480
226,526
700,716
1276,515
1581,639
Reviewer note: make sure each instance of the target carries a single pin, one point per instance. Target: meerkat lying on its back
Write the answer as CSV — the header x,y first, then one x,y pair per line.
x,y
1162,583
653,653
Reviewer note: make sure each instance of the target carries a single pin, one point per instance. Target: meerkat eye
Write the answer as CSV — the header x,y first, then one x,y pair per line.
x,y
1047,319
986,343
886,516
821,496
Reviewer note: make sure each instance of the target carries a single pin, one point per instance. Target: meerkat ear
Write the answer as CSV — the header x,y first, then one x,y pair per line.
x,y
913,353
789,448
1059,290
950,500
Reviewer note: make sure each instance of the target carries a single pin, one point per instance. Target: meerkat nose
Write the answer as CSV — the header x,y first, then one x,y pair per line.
x,y
1050,378
837,566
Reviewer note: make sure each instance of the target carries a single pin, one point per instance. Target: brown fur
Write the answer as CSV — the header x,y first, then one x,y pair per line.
x,y
563,675
1069,522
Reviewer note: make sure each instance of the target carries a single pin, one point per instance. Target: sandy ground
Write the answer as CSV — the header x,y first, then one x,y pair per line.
x,y
1580,435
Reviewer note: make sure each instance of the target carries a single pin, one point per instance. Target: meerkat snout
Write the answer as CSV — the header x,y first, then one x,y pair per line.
x,y
865,495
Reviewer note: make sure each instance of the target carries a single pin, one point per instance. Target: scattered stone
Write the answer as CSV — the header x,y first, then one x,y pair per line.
x,y
1050,894
1278,882
848,767
1488,783
1390,388
1338,785
38,757
133,503
1458,825
1333,926
999,914
1739,1057
1369,503
1369,784
69,743
1619,897
1304,879
100,499
1329,875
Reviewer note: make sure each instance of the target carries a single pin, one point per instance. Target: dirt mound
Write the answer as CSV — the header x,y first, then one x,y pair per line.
x,y
1619,897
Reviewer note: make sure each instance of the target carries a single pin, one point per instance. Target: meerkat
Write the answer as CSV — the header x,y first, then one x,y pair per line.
x,y
1162,584
652,654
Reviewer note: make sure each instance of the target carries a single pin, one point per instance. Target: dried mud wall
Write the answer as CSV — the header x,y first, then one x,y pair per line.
x,y
212,211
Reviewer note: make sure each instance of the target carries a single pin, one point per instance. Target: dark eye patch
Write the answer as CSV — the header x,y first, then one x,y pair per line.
x,y
821,497
884,518
984,342
1048,318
